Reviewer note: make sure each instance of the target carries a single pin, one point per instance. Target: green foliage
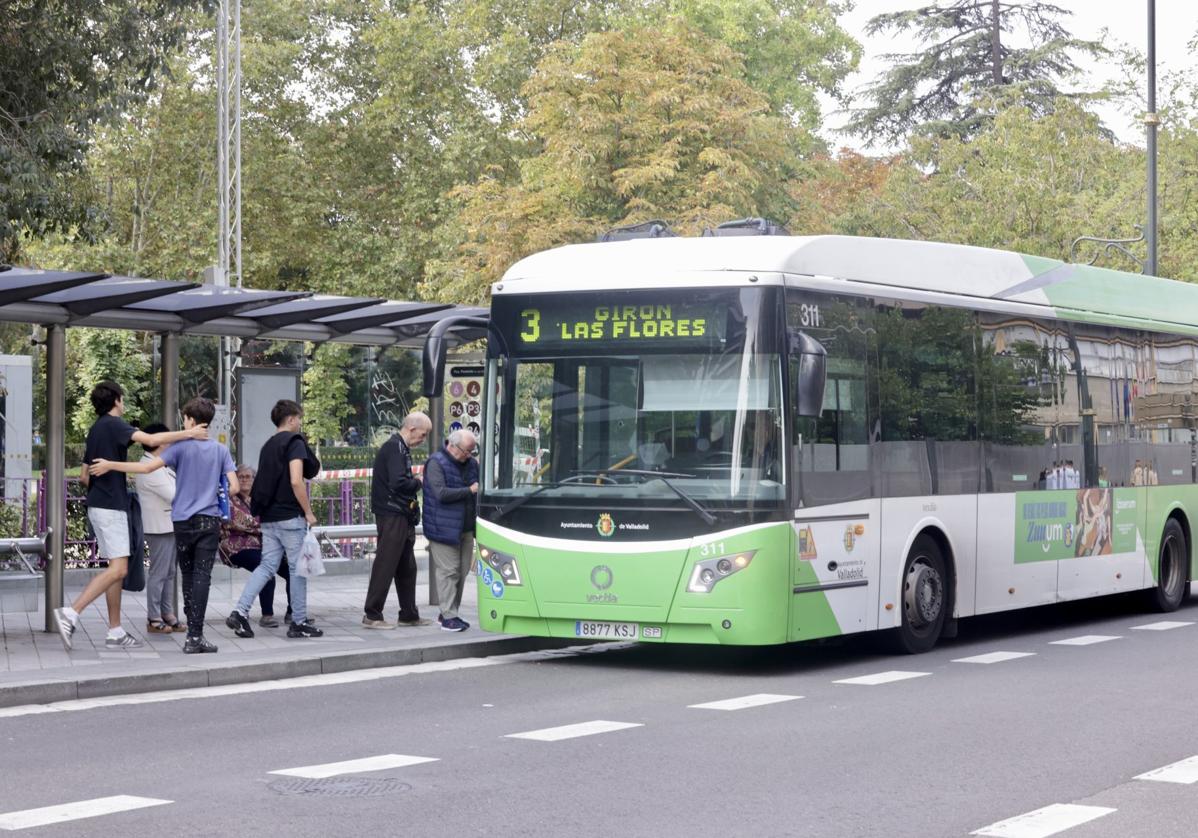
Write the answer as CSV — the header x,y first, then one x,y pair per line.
x,y
966,52
64,68
325,391
98,354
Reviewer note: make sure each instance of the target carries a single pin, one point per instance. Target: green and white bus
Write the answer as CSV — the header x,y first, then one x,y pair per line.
x,y
765,439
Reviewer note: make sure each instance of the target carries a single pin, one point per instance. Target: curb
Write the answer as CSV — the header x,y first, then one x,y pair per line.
x,y
52,690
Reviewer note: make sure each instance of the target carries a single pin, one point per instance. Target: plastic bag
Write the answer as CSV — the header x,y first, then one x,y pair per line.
x,y
311,562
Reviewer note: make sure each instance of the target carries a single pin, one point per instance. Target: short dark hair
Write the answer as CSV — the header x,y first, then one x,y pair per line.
x,y
200,409
154,428
105,396
284,409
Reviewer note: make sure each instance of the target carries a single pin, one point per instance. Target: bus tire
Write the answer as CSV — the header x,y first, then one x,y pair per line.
x,y
924,598
1172,566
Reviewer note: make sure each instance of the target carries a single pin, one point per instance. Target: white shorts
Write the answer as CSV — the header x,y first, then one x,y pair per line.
x,y
111,527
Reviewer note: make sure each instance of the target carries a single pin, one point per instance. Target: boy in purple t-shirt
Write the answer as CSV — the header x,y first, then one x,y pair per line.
x,y
198,465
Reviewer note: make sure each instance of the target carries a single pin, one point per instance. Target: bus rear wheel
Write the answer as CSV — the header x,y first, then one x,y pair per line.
x,y
924,598
1172,568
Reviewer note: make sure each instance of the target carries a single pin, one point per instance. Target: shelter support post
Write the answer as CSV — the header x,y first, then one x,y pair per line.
x,y
56,507
170,380
436,439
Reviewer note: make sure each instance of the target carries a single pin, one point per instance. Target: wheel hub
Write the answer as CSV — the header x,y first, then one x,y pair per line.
x,y
923,595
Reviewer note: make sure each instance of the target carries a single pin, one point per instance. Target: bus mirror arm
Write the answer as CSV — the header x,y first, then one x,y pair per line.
x,y
436,343
812,372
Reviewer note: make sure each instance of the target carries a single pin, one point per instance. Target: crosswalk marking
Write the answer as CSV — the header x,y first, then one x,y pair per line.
x,y
1044,822
1185,771
745,701
995,657
1085,640
354,766
28,818
554,734
1163,625
882,678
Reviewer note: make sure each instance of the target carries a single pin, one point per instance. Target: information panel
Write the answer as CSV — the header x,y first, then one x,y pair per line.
x,y
559,325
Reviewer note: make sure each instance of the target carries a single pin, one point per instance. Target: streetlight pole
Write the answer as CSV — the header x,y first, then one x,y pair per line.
x,y
1151,120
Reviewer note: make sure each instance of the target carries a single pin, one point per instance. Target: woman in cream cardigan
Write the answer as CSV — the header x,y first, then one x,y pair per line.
x,y
155,492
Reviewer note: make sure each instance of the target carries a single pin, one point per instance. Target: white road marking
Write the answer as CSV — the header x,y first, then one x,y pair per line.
x,y
745,701
354,766
302,682
1185,772
882,678
554,734
1086,640
75,811
1163,625
1044,822
995,657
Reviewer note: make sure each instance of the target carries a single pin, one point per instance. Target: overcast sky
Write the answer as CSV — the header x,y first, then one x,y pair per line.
x,y
1127,20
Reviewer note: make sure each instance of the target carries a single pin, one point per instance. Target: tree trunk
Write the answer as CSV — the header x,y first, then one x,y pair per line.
x,y
995,44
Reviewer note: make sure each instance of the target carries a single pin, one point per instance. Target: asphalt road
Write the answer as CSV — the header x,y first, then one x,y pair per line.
x,y
960,747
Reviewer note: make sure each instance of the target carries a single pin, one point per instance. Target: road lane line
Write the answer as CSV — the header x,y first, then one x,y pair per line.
x,y
1163,625
744,702
1044,822
1185,772
1085,640
46,815
554,734
882,678
354,766
995,657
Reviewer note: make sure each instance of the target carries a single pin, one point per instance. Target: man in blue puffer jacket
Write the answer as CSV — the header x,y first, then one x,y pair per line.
x,y
450,490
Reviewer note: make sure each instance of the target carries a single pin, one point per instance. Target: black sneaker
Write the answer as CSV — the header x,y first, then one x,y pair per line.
x,y
311,621
240,625
197,646
304,629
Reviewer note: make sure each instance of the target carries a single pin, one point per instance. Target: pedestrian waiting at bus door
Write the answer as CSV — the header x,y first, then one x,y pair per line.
x,y
156,492
393,492
450,510
195,511
279,498
108,510
241,546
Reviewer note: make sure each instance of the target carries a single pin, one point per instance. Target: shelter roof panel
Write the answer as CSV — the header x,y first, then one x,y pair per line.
x,y
308,309
114,292
209,302
377,315
20,284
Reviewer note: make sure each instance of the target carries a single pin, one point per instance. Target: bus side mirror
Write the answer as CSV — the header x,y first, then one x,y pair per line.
x,y
435,346
811,361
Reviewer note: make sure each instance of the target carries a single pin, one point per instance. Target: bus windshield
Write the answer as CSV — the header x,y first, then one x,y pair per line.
x,y
636,395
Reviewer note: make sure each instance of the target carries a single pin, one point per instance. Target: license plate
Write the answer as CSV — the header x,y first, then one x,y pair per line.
x,y
605,631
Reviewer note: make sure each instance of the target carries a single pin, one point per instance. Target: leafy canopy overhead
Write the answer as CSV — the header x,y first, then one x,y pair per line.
x,y
968,48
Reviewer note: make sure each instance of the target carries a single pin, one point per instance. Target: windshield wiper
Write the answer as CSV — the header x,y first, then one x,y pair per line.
x,y
523,499
702,512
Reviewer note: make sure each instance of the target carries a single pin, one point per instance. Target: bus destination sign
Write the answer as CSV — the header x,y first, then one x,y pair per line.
x,y
647,323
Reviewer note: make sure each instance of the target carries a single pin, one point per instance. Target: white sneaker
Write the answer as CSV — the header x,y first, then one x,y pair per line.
x,y
65,627
125,641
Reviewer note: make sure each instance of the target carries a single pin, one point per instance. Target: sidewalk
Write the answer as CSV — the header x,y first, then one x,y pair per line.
x,y
35,669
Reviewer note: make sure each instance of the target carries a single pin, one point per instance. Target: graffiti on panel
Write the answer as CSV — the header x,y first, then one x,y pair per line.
x,y
387,403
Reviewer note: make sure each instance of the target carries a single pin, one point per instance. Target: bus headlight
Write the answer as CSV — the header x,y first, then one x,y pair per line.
x,y
706,574
502,563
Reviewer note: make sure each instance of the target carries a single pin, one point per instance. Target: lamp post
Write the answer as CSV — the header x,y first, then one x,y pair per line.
x,y
1151,120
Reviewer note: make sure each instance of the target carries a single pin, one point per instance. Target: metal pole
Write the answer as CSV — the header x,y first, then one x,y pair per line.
x,y
1151,120
56,506
170,412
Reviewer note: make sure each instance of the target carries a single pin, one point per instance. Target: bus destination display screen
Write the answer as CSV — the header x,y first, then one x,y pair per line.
x,y
561,325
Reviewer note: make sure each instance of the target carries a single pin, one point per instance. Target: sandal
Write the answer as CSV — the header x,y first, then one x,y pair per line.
x,y
176,626
157,627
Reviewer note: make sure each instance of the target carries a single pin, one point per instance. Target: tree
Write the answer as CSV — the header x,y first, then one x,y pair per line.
x,y
66,67
632,125
966,51
326,392
99,354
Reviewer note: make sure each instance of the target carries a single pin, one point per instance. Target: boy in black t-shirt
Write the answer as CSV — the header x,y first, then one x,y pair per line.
x,y
108,510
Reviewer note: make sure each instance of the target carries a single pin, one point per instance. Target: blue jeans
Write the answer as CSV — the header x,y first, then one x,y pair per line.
x,y
279,538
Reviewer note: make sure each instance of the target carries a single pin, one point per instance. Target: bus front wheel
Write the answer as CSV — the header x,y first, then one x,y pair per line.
x,y
1171,568
924,598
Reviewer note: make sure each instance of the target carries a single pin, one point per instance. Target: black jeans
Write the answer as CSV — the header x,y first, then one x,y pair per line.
x,y
394,559
196,543
249,559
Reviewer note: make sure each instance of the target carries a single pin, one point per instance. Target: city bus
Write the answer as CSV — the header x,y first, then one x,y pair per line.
x,y
769,439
